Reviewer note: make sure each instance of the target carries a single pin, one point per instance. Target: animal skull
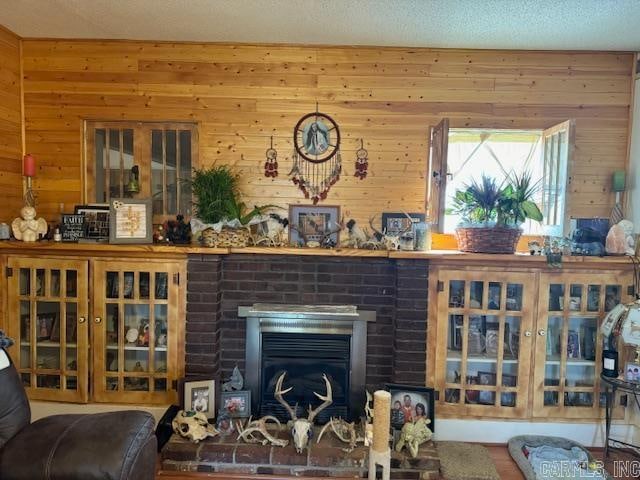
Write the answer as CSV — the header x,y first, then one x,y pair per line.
x,y
193,425
302,428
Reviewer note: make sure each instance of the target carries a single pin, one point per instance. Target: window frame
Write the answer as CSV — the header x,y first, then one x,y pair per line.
x,y
142,155
436,182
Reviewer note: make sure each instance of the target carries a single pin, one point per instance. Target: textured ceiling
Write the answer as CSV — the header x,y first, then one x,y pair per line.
x,y
509,24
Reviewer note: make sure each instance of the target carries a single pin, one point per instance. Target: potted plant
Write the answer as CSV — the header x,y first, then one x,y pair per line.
x,y
222,218
492,213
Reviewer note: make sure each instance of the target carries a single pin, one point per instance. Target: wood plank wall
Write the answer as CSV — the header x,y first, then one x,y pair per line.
x,y
240,95
10,127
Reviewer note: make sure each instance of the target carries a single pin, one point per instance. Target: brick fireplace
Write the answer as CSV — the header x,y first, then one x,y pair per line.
x,y
395,289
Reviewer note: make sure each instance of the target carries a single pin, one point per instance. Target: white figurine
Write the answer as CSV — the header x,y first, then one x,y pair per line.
x,y
28,228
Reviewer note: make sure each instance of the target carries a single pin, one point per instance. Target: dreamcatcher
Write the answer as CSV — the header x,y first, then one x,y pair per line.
x,y
362,162
271,163
316,157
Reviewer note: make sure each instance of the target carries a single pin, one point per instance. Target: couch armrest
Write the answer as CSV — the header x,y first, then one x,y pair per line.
x,y
111,446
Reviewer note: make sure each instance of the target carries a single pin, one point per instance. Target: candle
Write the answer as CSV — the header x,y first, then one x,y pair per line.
x,y
381,420
618,181
29,166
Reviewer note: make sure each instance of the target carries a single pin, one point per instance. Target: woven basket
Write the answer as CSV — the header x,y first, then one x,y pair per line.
x,y
227,237
487,239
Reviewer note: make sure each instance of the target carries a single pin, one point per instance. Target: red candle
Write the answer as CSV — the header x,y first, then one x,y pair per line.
x,y
29,166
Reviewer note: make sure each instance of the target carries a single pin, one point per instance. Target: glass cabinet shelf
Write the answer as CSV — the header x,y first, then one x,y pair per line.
x,y
455,356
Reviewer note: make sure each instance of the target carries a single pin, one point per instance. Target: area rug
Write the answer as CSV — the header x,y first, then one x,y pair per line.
x,y
465,461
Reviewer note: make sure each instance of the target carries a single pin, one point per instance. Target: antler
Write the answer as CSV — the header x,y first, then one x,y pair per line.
x,y
300,232
260,426
410,224
376,233
326,400
278,396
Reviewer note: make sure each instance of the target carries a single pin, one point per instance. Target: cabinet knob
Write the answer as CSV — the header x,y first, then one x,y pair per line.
x,y
82,320
527,333
98,320
542,333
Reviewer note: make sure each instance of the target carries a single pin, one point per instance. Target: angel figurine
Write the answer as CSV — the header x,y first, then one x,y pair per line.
x,y
28,228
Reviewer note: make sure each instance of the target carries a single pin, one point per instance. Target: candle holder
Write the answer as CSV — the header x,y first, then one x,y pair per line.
x,y
28,227
29,197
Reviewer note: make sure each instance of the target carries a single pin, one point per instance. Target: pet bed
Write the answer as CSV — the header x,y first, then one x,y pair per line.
x,y
517,452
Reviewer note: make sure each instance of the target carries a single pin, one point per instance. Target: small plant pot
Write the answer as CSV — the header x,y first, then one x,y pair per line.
x,y
487,239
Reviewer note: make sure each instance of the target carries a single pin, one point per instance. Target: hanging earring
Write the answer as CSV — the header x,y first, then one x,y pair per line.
x,y
362,161
271,164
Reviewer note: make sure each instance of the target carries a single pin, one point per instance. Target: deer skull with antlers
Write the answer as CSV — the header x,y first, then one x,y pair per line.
x,y
302,428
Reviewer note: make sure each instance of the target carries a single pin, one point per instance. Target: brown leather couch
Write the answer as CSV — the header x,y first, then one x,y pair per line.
x,y
117,445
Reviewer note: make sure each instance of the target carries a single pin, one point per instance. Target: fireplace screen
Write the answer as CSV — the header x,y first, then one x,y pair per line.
x,y
305,357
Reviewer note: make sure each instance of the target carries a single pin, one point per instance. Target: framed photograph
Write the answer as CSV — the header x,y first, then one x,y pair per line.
x,y
408,403
314,223
130,221
96,221
395,223
455,331
224,423
486,397
236,404
44,326
508,399
200,397
573,344
632,372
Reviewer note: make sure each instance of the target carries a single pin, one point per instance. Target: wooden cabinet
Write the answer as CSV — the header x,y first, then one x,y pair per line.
x,y
136,330
521,342
47,310
568,352
100,330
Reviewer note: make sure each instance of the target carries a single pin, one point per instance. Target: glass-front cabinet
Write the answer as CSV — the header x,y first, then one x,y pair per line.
x,y
568,344
484,339
523,344
48,306
135,326
102,330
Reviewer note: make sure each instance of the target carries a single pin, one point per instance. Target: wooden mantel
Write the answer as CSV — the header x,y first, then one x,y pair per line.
x,y
433,256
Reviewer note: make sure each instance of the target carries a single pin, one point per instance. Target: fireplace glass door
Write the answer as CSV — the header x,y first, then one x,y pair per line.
x,y
305,358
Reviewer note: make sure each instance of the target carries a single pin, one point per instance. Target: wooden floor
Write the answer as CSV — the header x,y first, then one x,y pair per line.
x,y
506,467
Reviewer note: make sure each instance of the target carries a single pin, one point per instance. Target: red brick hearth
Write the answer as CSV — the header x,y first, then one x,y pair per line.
x,y
326,459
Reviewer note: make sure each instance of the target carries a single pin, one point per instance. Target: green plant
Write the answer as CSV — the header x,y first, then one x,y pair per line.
x,y
516,203
488,201
477,202
217,196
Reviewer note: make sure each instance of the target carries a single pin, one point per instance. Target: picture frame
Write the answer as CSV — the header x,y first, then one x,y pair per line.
x,y
573,344
44,324
508,399
72,227
411,398
632,372
486,397
130,220
394,223
314,223
96,221
200,396
236,404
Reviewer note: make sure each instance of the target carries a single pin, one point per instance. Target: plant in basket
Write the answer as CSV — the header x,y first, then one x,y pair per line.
x,y
492,213
222,218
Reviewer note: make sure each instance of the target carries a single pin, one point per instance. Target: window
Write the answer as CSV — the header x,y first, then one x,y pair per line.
x,y
464,154
141,159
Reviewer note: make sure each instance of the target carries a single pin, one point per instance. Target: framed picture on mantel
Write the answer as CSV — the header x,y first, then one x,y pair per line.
x,y
130,221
